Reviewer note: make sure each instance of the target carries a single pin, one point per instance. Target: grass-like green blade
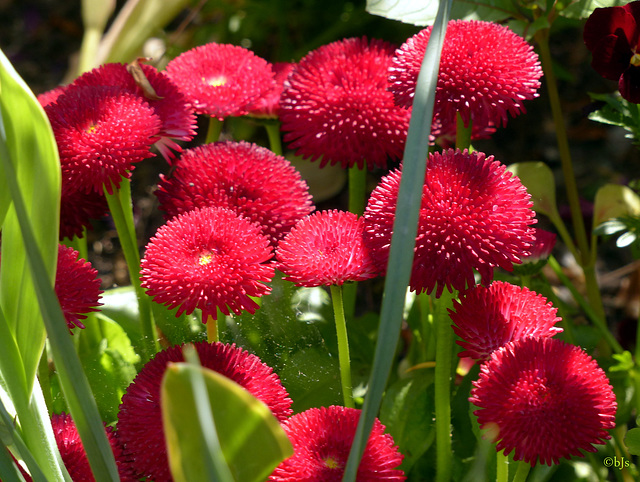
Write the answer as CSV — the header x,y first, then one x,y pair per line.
x,y
404,236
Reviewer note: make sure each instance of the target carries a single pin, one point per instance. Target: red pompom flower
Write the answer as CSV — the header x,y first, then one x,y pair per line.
x,y
267,105
246,178
209,259
487,318
612,34
77,286
326,248
221,80
101,133
475,215
139,425
336,106
178,121
486,71
544,400
322,438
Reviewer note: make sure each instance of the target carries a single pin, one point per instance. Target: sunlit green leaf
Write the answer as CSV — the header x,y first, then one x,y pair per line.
x,y
614,201
632,441
251,439
584,8
538,178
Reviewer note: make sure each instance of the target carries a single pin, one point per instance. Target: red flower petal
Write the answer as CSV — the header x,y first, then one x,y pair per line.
x,y
488,318
326,248
322,438
209,259
139,425
544,400
246,178
335,106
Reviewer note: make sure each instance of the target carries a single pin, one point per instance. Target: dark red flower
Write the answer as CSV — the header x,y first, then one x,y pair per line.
x,y
486,71
221,80
267,105
101,133
73,453
612,34
165,99
139,425
209,259
78,209
246,178
77,286
336,106
487,318
322,438
50,96
475,215
544,399
326,248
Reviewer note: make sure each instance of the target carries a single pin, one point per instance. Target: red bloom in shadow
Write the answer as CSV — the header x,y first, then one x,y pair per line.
x,y
487,318
322,438
544,400
77,286
612,34
246,178
139,425
475,215
326,248
335,106
209,259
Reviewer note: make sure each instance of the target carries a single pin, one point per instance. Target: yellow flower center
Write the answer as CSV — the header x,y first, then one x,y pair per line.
x,y
635,58
331,463
216,81
205,258
92,129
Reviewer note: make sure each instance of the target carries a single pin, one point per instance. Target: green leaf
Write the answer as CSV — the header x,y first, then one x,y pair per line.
x,y
538,178
624,362
251,439
632,441
584,8
614,201
618,112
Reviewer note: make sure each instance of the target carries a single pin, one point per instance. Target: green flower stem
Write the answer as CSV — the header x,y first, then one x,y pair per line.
x,y
215,322
122,213
215,128
586,307
343,346
273,132
463,133
522,472
443,376
593,291
502,467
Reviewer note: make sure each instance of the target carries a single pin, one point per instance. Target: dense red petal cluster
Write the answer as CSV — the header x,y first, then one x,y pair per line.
x,y
322,438
101,133
178,121
612,34
544,400
267,105
336,106
244,177
73,453
475,215
486,71
209,259
326,248
77,286
139,425
221,80
488,318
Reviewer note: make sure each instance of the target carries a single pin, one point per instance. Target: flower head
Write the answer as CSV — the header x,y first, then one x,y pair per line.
x,y
335,105
487,318
77,286
322,438
78,208
486,71
73,453
246,178
544,399
101,133
139,425
209,259
326,248
612,34
474,215
178,120
221,80
267,105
